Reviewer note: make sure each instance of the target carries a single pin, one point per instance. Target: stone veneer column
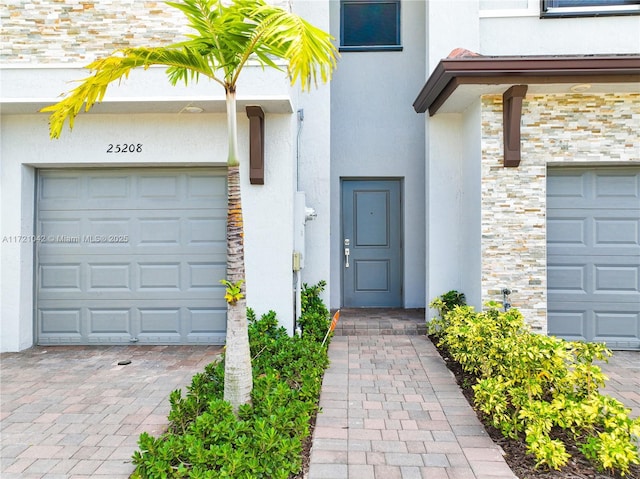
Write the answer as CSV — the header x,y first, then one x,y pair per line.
x,y
561,130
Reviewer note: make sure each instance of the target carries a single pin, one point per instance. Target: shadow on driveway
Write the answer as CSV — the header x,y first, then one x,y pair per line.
x,y
72,411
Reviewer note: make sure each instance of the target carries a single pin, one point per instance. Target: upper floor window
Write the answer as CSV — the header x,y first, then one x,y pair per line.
x,y
579,8
367,25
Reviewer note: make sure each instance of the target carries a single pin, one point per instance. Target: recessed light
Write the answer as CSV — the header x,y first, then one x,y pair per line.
x,y
192,109
581,88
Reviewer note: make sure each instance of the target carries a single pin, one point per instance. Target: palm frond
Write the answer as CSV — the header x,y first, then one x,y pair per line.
x,y
183,65
308,50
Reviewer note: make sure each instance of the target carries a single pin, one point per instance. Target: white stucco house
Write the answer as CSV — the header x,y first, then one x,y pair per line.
x,y
477,145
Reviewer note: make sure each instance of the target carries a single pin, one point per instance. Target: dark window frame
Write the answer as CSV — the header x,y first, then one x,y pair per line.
x,y
588,8
396,46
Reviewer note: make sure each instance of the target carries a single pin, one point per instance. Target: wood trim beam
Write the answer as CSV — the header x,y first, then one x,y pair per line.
x,y
511,119
256,144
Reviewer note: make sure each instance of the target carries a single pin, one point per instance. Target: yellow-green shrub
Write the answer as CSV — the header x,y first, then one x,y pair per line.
x,y
530,385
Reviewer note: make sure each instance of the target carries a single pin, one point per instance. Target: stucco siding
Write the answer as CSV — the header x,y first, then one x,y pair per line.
x,y
375,133
556,129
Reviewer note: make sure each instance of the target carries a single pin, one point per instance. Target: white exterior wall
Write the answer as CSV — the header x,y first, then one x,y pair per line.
x,y
514,27
454,234
470,211
376,133
452,250
450,25
313,158
444,204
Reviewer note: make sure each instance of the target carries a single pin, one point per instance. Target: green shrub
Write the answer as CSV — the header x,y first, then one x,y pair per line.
x,y
314,320
206,440
532,386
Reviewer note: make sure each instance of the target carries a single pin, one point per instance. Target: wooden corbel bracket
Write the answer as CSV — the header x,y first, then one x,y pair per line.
x,y
256,144
511,116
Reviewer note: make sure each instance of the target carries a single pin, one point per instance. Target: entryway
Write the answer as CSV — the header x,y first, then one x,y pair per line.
x,y
372,243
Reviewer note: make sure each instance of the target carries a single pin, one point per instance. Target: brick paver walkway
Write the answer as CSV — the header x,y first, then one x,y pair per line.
x,y
391,409
73,412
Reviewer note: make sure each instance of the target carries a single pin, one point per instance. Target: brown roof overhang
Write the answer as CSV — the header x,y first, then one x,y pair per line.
x,y
450,73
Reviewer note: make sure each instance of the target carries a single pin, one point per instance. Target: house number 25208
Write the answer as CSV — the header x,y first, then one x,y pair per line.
x,y
125,148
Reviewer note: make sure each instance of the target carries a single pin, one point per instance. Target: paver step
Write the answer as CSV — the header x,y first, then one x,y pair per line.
x,y
374,322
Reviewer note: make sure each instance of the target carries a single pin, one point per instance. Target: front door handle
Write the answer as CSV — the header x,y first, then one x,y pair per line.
x,y
347,252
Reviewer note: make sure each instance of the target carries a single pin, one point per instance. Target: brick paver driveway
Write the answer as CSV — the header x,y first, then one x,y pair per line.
x,y
73,412
623,371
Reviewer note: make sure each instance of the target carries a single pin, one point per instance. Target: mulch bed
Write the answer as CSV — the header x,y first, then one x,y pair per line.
x,y
521,463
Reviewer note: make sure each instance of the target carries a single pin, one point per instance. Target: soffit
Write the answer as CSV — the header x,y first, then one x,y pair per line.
x,y
26,89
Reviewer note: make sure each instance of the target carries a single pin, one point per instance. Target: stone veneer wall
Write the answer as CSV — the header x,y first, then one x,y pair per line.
x,y
78,31
558,129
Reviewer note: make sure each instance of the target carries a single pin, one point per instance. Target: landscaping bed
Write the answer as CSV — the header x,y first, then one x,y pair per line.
x,y
516,456
269,438
538,396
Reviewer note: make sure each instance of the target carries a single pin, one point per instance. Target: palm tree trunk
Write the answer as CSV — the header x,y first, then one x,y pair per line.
x,y
238,380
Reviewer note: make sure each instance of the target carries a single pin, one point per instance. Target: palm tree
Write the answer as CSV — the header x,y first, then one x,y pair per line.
x,y
228,36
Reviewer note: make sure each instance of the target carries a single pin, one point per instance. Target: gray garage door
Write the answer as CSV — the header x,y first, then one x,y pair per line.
x,y
593,241
130,256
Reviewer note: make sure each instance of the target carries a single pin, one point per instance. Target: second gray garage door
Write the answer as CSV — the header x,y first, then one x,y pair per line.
x,y
126,256
593,248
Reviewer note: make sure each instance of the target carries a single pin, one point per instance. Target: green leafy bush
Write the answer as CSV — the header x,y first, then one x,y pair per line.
x,y
533,386
314,320
206,440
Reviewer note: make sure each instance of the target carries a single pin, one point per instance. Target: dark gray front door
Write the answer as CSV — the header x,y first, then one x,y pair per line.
x,y
372,243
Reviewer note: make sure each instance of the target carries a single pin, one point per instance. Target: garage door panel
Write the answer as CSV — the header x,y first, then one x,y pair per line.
x,y
213,188
200,231
570,324
567,231
207,320
159,276
617,186
617,279
109,277
60,321
565,185
593,255
203,275
617,231
60,277
108,188
134,255
60,230
159,231
110,321
60,186
618,325
567,278
160,320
